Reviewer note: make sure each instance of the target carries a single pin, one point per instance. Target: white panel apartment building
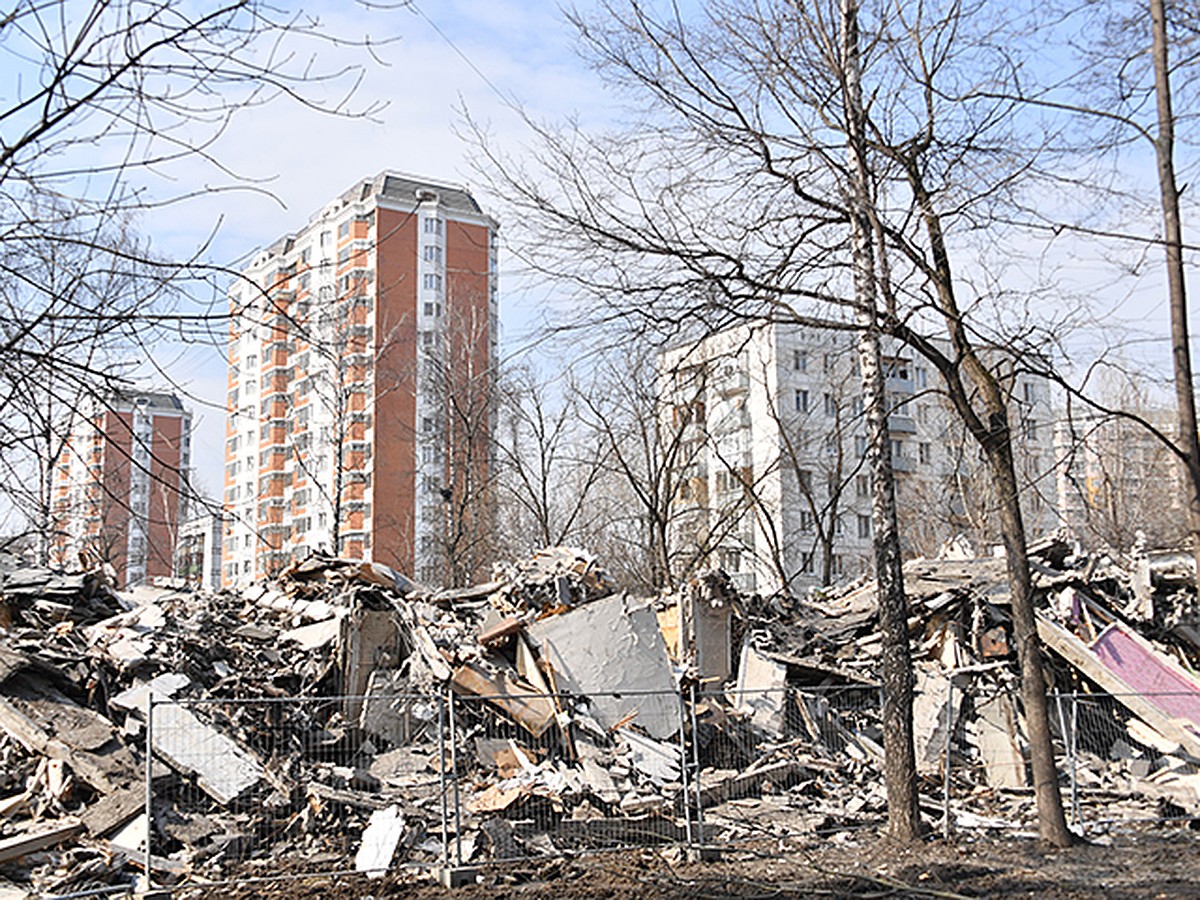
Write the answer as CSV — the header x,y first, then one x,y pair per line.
x,y
773,485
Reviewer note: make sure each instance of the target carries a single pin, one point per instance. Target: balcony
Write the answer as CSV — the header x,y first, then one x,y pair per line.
x,y
901,424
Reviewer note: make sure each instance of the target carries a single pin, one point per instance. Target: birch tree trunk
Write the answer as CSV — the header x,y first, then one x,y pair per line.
x,y
899,757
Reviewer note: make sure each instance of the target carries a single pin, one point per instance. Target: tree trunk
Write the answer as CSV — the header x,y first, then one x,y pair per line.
x,y
900,775
1185,395
1051,819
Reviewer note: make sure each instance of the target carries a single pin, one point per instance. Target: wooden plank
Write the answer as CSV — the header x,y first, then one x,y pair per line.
x,y
1078,654
29,842
532,712
115,810
92,768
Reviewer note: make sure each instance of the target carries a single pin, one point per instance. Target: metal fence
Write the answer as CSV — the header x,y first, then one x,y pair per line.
x,y
303,786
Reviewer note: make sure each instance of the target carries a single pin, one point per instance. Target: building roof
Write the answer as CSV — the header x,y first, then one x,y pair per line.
x,y
153,399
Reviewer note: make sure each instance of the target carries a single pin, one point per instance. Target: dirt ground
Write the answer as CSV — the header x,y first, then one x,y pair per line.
x,y
1151,863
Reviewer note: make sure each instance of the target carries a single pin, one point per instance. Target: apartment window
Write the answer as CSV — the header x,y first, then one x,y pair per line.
x,y
806,522
837,564
830,405
864,527
433,281
921,376
433,225
860,445
801,400
839,525
322,520
324,239
827,363
433,253
862,486
344,229
804,477
800,360
426,338
433,309
343,256
806,564
1031,429
252,361
897,449
923,413
1030,392
924,453
427,424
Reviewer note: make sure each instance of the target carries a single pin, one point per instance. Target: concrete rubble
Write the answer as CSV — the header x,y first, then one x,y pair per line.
x,y
308,719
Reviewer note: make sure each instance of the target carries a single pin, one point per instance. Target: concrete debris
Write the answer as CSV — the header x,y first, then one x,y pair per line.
x,y
311,716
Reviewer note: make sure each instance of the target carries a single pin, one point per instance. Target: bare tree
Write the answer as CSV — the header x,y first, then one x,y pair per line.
x,y
764,189
103,98
547,470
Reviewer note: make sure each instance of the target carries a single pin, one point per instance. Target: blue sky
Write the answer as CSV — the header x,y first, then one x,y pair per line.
x,y
428,63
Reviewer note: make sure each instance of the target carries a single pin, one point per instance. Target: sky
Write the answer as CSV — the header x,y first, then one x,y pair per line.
x,y
428,63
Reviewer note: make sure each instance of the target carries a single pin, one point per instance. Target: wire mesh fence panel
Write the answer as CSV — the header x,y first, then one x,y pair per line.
x,y
786,762
544,774
979,753
1123,769
293,786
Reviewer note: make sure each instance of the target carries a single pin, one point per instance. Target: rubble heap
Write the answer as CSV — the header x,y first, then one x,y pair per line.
x,y
343,715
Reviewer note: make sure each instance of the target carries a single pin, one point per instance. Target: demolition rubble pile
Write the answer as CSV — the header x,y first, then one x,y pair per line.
x,y
1123,646
345,717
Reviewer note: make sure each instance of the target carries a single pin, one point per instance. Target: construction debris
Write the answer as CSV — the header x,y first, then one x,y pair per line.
x,y
342,714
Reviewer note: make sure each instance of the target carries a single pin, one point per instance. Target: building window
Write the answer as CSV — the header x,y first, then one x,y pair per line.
x,y
897,449
344,229
806,522
924,453
860,445
864,527
830,405
433,281
433,253
862,486
800,360
801,400
804,477
433,225
806,564
921,376
1031,429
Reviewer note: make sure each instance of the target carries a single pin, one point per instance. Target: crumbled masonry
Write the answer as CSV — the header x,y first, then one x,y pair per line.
x,y
304,724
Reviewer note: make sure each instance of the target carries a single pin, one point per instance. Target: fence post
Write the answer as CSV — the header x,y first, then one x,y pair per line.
x,y
685,794
946,758
1075,805
700,838
454,771
441,702
149,799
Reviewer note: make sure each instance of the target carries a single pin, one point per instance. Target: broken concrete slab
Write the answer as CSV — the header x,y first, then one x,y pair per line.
x,y
223,769
761,689
379,842
612,652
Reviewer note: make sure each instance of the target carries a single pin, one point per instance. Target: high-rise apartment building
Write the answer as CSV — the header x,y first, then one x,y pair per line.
x,y
119,486
769,441
360,383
